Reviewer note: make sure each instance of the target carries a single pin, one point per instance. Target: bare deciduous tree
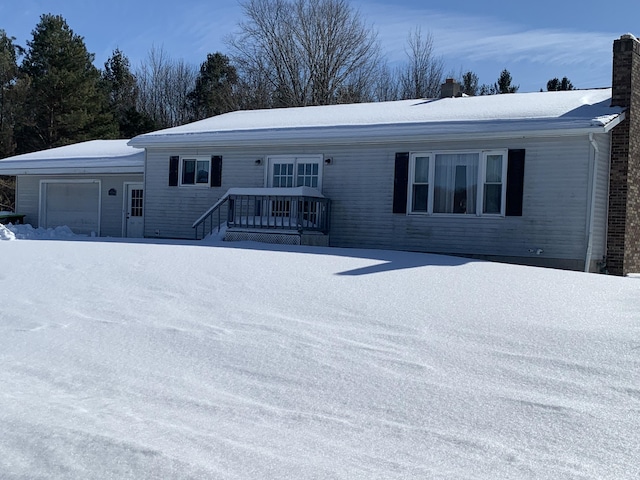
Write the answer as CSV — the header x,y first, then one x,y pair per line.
x,y
422,76
305,52
386,86
163,87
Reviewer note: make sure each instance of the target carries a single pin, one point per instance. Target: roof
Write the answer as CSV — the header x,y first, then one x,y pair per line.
x,y
568,111
95,156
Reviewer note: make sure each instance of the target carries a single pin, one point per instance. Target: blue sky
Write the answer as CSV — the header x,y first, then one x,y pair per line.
x,y
535,40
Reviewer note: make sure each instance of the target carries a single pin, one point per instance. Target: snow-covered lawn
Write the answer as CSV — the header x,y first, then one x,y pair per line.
x,y
176,360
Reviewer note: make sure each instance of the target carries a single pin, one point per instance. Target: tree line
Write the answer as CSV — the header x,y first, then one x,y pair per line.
x,y
285,53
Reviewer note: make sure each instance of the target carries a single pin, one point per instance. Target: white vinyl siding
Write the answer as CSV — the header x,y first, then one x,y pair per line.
x,y
169,211
111,208
555,192
359,181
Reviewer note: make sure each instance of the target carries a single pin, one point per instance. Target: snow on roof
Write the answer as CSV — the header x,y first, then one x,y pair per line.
x,y
95,156
523,111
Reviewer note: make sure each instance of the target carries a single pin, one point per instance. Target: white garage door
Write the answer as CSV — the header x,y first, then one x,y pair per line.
x,y
74,204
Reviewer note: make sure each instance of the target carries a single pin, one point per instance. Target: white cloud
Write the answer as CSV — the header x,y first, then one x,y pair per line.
x,y
481,38
486,43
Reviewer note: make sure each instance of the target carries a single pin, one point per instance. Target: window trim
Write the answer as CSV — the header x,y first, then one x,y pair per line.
x,y
295,160
503,182
196,158
481,181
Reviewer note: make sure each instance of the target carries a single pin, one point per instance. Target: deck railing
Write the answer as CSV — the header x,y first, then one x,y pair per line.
x,y
297,212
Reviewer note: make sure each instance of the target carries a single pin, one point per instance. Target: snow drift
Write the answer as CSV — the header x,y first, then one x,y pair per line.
x,y
235,361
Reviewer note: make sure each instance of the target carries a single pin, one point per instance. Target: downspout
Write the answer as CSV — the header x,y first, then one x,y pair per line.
x,y
590,218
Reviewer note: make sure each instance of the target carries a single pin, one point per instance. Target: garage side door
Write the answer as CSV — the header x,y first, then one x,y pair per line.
x,y
74,204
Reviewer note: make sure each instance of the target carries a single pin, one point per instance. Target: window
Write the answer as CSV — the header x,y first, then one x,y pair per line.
x,y
420,189
195,171
283,175
307,175
493,191
457,183
292,171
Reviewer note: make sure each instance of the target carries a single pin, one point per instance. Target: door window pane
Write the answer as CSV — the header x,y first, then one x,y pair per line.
x,y
283,175
308,174
136,202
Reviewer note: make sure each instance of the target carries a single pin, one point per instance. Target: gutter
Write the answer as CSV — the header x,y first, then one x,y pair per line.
x,y
14,171
360,137
591,215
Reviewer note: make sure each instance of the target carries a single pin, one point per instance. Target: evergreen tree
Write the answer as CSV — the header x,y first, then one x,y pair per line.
x,y
555,85
503,85
213,93
10,101
65,103
9,89
121,89
470,84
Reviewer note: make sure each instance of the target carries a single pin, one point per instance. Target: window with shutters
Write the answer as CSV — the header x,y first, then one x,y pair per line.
x,y
195,171
458,183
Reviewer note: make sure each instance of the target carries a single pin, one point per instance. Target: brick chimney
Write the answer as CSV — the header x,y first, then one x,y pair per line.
x,y
623,235
450,88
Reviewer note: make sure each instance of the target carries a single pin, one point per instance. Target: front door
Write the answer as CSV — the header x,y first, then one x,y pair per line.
x,y
134,222
291,172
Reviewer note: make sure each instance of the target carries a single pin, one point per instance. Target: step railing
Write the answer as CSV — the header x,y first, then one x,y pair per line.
x,y
293,209
209,217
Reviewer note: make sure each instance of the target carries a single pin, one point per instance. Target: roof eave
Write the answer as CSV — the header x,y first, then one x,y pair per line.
x,y
371,135
17,170
616,121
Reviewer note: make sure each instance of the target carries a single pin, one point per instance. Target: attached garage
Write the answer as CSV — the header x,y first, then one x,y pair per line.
x,y
72,203
94,188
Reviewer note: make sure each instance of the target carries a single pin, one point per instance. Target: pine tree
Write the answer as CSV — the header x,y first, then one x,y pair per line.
x,y
9,89
65,102
121,89
213,93
503,85
555,85
470,84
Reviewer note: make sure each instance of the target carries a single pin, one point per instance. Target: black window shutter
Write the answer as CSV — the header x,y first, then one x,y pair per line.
x,y
216,171
400,182
173,171
515,183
